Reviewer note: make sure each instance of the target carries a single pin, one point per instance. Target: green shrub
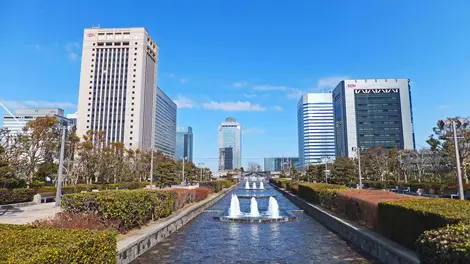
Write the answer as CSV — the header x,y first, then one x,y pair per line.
x,y
319,193
28,244
217,186
129,185
226,183
12,183
450,244
10,196
405,220
281,183
132,208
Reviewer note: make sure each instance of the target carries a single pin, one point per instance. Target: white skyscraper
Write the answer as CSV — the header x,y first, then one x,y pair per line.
x,y
165,125
118,85
315,128
230,150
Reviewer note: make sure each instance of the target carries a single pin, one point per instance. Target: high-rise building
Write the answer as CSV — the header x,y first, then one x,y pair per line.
x,y
281,163
315,128
165,124
372,112
184,143
118,85
15,124
230,145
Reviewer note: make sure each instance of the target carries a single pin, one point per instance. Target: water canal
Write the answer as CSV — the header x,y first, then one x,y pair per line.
x,y
205,240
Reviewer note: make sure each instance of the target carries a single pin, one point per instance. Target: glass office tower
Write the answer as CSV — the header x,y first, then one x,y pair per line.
x,y
184,143
372,112
315,128
229,145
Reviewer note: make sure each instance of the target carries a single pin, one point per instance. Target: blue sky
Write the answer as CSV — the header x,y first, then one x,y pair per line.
x,y
248,59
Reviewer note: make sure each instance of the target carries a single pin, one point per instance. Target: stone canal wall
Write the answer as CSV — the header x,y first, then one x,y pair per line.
x,y
144,239
369,241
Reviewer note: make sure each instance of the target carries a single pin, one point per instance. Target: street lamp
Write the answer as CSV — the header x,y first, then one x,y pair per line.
x,y
182,180
358,152
326,159
454,124
65,126
200,165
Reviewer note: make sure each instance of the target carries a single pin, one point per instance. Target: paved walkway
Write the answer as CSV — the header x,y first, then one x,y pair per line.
x,y
27,214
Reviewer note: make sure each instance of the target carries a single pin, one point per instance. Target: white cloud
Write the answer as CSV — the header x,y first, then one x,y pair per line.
x,y
39,104
253,131
330,82
443,107
295,94
233,106
183,80
72,49
267,87
183,102
277,108
172,75
249,95
239,84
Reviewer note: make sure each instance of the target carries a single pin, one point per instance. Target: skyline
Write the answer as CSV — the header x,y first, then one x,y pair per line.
x,y
257,68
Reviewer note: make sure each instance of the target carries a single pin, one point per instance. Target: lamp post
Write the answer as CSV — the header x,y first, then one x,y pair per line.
x,y
200,165
358,152
326,159
182,179
58,194
454,124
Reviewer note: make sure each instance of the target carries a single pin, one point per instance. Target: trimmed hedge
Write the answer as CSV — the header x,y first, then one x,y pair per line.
x,y
450,244
281,183
321,194
10,196
132,208
226,183
404,221
217,186
28,244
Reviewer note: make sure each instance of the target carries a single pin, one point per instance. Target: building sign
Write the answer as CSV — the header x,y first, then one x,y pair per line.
x,y
351,85
90,35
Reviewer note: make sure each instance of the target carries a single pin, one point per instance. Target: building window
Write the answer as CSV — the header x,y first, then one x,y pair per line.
x,y
130,138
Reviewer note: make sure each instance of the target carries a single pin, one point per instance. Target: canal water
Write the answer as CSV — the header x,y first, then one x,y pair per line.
x,y
205,240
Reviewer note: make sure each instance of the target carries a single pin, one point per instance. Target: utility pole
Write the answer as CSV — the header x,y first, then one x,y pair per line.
x,y
200,165
457,161
182,180
58,194
358,152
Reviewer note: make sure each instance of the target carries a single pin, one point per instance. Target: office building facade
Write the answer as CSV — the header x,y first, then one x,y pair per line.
x,y
73,118
372,112
184,143
229,140
165,124
281,163
118,85
315,128
15,124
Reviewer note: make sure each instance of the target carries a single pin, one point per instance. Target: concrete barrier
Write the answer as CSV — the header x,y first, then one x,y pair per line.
x,y
382,248
137,244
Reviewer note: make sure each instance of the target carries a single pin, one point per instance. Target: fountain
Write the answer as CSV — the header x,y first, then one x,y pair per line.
x,y
254,208
234,210
273,208
254,185
261,185
247,185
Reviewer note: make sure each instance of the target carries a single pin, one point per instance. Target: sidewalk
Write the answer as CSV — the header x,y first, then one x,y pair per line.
x,y
27,214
